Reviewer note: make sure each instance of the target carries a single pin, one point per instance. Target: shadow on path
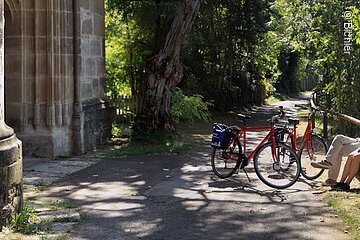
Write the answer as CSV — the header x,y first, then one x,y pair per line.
x,y
178,197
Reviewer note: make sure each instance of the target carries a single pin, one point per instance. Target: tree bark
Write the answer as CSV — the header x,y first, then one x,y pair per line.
x,y
163,71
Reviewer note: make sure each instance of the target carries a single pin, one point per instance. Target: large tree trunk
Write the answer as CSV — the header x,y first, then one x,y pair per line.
x,y
163,71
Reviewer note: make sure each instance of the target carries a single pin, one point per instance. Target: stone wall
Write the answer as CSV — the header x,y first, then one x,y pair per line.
x,y
55,68
96,124
92,49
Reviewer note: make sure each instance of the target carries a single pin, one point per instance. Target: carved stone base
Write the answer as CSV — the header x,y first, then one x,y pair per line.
x,y
91,128
10,178
47,143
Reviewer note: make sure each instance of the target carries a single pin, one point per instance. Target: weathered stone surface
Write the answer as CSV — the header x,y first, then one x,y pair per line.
x,y
96,47
99,25
87,91
38,145
87,26
8,155
90,67
97,7
10,178
95,86
85,4
100,70
45,87
97,114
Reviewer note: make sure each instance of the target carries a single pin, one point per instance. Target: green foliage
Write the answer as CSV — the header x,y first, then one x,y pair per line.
x,y
189,108
55,205
276,97
63,236
118,130
314,31
128,44
67,219
223,61
26,221
241,52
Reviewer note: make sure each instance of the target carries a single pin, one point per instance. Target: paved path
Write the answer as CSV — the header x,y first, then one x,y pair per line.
x,y
178,197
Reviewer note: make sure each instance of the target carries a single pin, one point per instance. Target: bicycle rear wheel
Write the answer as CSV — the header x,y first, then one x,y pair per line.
x,y
224,163
277,173
313,150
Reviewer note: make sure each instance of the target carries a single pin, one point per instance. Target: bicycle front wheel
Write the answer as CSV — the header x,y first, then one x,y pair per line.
x,y
225,162
313,150
279,168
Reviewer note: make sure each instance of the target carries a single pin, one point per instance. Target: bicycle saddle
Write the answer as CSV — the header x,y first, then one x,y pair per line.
x,y
243,117
293,121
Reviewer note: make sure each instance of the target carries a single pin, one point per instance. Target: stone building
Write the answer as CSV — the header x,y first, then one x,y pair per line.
x,y
54,75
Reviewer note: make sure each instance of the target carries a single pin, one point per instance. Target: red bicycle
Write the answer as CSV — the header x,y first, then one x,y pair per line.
x,y
276,164
312,147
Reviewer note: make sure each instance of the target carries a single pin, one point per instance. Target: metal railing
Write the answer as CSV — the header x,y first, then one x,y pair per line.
x,y
314,101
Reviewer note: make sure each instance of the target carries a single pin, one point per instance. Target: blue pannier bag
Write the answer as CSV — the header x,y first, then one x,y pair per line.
x,y
218,134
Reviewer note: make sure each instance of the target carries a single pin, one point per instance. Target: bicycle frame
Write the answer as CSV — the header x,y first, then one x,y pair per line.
x,y
306,137
242,134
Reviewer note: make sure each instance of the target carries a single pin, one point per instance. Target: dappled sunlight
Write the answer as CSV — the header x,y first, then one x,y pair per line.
x,y
193,205
183,193
113,207
190,195
200,136
150,227
133,176
96,191
159,197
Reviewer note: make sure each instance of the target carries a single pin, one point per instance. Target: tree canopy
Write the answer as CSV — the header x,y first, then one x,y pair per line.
x,y
233,53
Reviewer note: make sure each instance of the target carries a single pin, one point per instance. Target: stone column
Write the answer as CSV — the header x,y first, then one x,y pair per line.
x,y
10,150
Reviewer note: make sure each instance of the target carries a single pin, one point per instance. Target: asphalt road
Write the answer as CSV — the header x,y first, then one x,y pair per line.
x,y
179,197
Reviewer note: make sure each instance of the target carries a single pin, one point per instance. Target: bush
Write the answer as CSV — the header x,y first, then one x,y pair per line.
x,y
189,108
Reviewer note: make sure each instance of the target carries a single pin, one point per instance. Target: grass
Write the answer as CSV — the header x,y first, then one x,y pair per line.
x,y
276,97
347,206
17,236
26,221
188,134
67,219
157,143
40,186
63,236
56,205
135,149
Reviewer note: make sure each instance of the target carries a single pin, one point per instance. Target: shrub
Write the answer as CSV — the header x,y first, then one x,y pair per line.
x,y
189,108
